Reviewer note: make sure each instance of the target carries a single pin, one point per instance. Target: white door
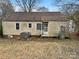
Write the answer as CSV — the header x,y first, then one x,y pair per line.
x,y
44,29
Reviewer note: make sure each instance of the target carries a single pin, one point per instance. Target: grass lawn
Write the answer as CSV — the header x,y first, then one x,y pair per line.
x,y
39,48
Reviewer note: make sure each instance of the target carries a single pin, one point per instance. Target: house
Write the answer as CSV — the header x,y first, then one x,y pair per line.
x,y
37,23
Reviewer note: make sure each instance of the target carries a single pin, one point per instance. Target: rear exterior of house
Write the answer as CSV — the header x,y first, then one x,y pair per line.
x,y
37,23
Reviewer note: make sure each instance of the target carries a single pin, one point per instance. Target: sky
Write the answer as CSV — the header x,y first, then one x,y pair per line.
x,y
50,4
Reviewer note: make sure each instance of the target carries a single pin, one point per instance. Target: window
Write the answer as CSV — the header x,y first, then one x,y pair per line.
x,y
17,26
38,26
30,25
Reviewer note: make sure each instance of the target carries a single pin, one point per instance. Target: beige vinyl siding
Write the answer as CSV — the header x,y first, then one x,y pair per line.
x,y
9,28
54,27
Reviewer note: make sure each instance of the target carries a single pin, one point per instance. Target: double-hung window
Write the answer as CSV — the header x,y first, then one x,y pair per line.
x,y
39,26
17,26
30,25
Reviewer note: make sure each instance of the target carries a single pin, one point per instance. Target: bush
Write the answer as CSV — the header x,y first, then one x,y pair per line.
x,y
25,35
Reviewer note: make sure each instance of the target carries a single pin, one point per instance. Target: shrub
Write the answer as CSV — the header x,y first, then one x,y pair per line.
x,y
25,35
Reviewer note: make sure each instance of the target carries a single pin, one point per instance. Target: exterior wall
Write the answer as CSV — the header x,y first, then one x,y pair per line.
x,y
71,26
9,28
54,27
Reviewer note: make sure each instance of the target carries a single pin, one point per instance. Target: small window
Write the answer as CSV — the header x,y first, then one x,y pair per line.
x,y
17,26
38,26
30,25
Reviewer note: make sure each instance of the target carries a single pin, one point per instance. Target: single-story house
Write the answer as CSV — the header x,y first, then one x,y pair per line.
x,y
37,23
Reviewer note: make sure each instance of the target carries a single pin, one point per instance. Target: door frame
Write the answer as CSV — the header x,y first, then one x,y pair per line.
x,y
44,29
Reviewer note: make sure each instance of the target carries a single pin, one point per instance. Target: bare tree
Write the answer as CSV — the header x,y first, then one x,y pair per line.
x,y
6,7
68,6
75,17
70,9
27,5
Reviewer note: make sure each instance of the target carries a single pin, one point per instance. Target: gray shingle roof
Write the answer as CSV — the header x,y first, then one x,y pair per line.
x,y
35,16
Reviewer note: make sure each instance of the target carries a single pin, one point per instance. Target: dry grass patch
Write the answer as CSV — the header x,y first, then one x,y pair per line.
x,y
39,49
